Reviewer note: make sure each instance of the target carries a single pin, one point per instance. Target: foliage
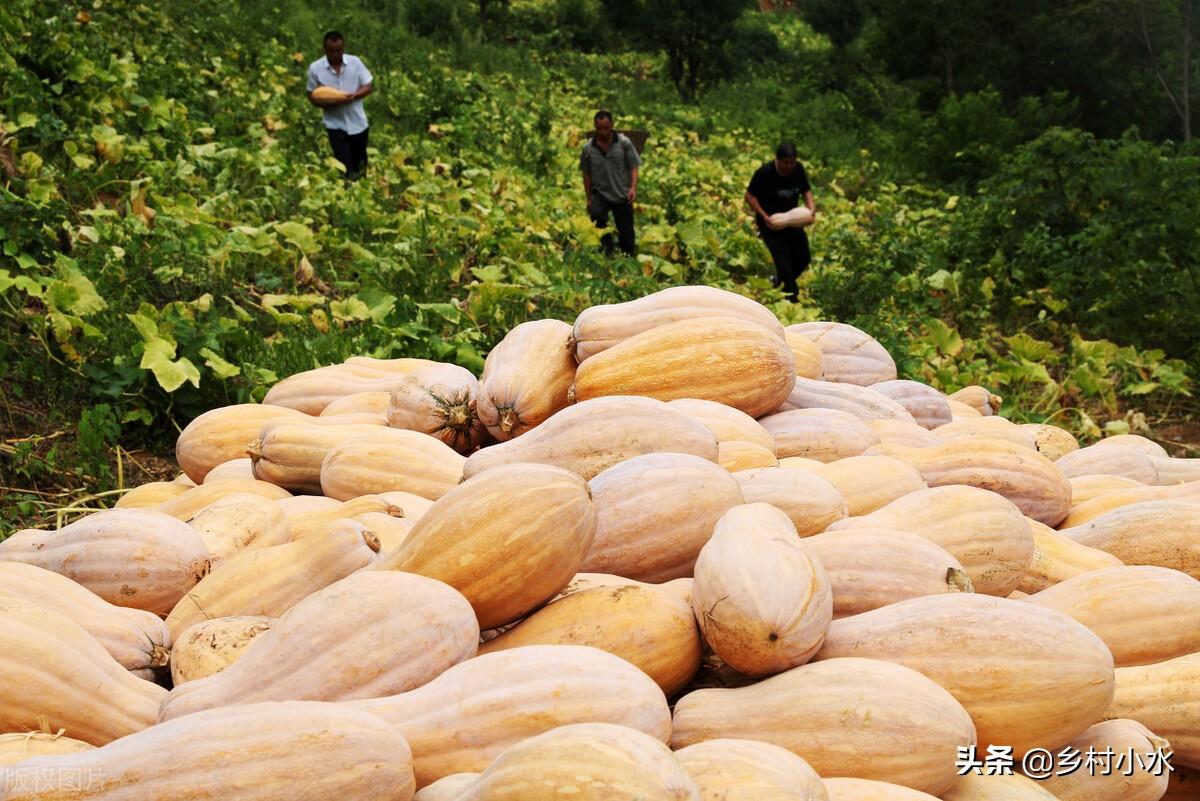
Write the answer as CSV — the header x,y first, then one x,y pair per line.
x,y
175,236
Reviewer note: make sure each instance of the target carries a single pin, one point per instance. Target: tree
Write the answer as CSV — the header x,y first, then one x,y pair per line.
x,y
691,33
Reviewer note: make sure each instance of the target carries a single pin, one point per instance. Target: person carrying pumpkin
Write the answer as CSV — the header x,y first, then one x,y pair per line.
x,y
774,194
609,163
337,84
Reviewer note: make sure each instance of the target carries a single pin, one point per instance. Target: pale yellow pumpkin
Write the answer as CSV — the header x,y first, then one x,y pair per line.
x,y
979,399
870,568
900,432
1165,698
508,539
655,512
241,522
736,455
845,717
810,362
19,746
728,423
289,454
221,434
439,400
863,403
1057,557
643,624
868,483
748,770
388,460
845,789
526,378
1085,488
599,328
811,502
723,359
210,646
1050,440
1130,775
996,787
761,597
592,436
822,434
1162,533
1084,512
466,717
1108,460
928,407
240,469
369,635
1047,677
850,356
151,494
1144,614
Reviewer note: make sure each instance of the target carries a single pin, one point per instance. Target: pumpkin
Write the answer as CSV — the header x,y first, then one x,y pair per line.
x,y
361,403
19,746
811,502
508,539
844,789
1165,698
1108,460
1177,471
210,646
722,359
136,639
961,411
1130,776
1029,480
1084,512
466,717
313,390
58,676
651,628
1162,533
985,532
221,434
303,504
735,456
137,558
439,400
526,378
762,599
1085,488
985,428
822,434
269,581
389,460
600,327
747,770
655,512
150,494
729,424
318,521
240,469
255,752
810,363
1050,440
870,568
197,499
928,407
369,635
901,432
589,437
582,761
979,399
997,787
850,356
289,454
1057,558
868,483
1047,677
845,717
241,522
863,403
1144,614
1136,442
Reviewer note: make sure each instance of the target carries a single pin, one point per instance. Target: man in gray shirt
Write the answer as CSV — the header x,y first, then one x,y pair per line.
x,y
344,118
610,163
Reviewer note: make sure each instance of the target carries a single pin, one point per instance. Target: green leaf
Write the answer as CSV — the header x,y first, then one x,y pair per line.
x,y
1024,346
350,309
1140,388
222,368
170,373
379,302
75,294
299,235
447,311
944,337
147,328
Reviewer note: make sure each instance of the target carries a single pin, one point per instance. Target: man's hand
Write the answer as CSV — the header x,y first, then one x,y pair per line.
x,y
774,226
589,203
631,195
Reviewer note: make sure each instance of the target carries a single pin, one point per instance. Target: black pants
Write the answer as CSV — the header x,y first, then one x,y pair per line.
x,y
622,214
789,251
350,149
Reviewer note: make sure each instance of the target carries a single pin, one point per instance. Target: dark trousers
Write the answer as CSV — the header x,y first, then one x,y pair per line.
x,y
789,251
350,149
622,214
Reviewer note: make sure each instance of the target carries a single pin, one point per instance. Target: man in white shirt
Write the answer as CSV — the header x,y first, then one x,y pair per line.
x,y
344,117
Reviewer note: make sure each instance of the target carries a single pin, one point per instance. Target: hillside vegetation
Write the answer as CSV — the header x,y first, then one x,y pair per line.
x,y
174,234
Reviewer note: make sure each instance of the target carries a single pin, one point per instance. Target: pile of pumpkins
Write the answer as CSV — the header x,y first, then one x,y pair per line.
x,y
673,551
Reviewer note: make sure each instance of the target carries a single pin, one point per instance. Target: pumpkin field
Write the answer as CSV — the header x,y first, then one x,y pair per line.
x,y
400,488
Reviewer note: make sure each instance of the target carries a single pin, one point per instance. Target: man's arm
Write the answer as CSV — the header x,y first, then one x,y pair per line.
x,y
362,92
587,188
808,202
758,209
633,179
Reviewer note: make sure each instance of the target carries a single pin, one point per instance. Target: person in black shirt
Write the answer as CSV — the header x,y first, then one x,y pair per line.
x,y
778,186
